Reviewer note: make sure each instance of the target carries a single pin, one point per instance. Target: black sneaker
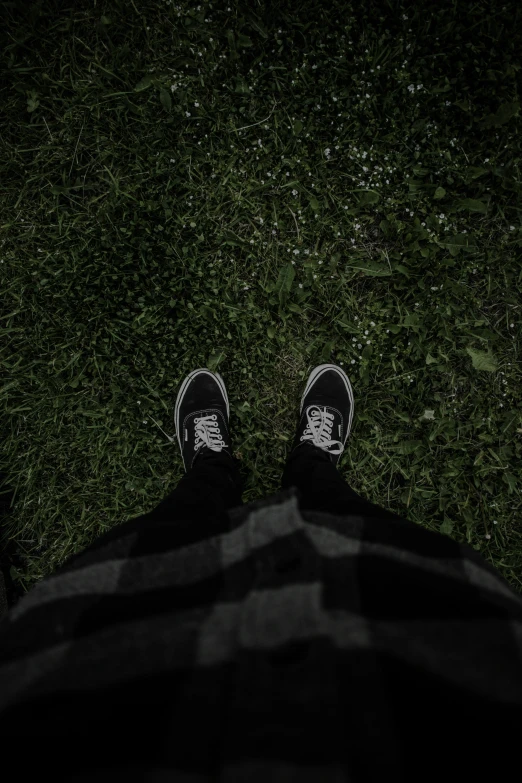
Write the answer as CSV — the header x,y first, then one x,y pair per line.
x,y
326,412
201,415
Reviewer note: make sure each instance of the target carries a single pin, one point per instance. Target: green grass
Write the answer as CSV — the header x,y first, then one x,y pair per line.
x,y
260,187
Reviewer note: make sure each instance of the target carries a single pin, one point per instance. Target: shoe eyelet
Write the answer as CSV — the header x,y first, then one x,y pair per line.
x,y
213,417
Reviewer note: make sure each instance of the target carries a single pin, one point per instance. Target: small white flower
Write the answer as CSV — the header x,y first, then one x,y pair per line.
x,y
300,285
196,104
294,192
187,114
296,252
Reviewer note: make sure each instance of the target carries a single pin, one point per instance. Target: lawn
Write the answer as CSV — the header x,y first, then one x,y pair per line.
x,y
259,187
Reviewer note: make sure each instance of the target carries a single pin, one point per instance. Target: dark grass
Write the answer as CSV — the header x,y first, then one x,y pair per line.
x,y
260,187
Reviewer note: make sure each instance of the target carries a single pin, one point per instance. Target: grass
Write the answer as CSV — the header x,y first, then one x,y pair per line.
x,y
259,187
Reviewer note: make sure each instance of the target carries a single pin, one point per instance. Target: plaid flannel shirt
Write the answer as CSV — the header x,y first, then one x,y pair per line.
x,y
294,646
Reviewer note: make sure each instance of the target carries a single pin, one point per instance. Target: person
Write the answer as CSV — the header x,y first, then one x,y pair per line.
x,y
310,635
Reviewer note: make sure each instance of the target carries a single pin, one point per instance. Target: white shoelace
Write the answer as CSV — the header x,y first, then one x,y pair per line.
x,y
319,430
208,433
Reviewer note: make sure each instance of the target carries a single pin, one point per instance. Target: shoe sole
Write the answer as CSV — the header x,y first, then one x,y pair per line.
x,y
179,398
316,372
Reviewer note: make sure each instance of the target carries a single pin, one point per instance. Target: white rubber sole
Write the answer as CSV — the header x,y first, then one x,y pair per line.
x,y
183,389
314,375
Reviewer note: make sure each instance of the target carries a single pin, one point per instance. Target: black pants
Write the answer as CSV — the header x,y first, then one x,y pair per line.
x,y
214,485
198,505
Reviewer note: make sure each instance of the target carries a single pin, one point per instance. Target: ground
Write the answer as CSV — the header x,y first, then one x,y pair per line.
x,y
259,187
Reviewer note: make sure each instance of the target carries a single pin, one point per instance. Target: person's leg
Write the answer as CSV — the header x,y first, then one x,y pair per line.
x,y
325,420
212,483
322,488
210,487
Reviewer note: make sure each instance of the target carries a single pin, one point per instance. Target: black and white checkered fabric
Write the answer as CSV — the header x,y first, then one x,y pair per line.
x,y
295,646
